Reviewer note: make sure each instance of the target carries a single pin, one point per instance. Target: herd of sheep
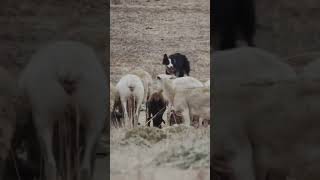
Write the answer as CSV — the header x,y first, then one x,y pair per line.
x,y
61,94
166,98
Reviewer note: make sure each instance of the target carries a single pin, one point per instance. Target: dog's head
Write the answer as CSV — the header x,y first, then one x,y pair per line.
x,y
169,63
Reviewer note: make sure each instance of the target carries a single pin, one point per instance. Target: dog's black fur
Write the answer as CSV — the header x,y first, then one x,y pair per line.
x,y
231,18
180,64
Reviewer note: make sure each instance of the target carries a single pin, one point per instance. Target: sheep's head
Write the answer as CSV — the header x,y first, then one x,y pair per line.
x,y
165,76
161,78
164,82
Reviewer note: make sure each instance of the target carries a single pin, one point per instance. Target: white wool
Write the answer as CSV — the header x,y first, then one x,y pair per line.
x,y
136,93
40,83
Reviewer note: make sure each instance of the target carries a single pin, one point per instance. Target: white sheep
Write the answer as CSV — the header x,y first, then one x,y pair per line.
x,y
131,92
176,84
189,102
257,106
146,80
61,74
7,116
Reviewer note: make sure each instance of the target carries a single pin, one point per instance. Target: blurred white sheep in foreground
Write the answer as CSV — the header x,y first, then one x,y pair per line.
x,y
59,75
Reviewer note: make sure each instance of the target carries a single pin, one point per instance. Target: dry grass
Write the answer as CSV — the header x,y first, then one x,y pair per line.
x,y
177,150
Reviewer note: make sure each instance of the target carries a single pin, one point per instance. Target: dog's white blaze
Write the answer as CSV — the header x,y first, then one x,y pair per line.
x,y
170,65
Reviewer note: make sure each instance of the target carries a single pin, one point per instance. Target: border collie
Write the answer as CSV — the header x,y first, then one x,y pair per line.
x,y
176,64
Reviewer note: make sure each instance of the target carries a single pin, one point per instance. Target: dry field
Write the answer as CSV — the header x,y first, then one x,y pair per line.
x,y
142,31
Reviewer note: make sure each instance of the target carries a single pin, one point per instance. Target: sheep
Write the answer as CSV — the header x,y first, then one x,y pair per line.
x,y
156,106
7,117
131,92
146,80
260,122
176,84
61,75
189,102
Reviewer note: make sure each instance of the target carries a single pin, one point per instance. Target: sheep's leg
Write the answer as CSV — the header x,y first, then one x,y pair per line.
x,y
200,122
130,112
86,169
92,136
186,117
137,114
45,130
148,115
168,113
125,110
242,164
205,122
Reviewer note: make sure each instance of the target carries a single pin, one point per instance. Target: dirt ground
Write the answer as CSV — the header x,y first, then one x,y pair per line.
x,y
143,31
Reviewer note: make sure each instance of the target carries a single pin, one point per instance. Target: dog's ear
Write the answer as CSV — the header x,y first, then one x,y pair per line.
x,y
165,59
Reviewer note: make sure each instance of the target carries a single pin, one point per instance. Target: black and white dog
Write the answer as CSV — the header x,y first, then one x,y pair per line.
x,y
176,64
